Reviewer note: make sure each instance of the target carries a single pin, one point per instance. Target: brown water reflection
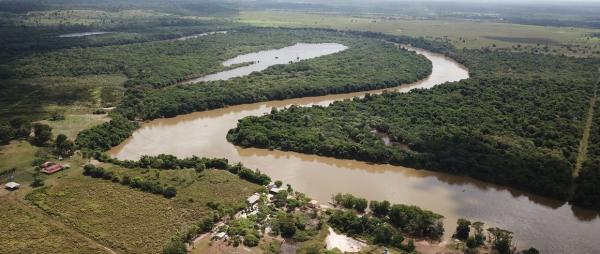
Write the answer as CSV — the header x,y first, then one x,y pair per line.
x,y
553,226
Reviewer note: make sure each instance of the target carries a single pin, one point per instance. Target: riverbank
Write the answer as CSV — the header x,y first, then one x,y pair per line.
x,y
265,219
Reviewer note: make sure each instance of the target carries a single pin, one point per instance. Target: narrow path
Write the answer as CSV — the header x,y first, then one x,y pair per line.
x,y
54,222
583,143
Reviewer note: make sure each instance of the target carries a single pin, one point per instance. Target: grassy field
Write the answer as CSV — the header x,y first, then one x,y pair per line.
x,y
73,124
133,221
467,34
18,155
24,231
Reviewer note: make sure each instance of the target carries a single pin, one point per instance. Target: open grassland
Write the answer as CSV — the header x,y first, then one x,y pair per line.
x,y
24,231
73,124
467,34
18,155
133,221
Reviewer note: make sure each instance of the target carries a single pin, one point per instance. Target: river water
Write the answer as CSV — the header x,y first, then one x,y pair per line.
x,y
262,60
551,226
196,36
81,34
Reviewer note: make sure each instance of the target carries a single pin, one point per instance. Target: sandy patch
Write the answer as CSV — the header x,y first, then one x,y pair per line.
x,y
342,242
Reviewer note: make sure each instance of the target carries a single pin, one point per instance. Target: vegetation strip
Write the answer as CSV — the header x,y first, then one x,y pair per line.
x,y
583,144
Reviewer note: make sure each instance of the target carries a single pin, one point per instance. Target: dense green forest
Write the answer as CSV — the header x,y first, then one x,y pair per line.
x,y
517,121
367,64
156,63
19,41
65,75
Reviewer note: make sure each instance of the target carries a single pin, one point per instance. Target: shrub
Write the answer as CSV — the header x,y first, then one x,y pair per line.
x,y
38,181
176,246
278,183
250,240
200,167
380,209
42,134
107,175
126,180
463,229
170,192
88,169
287,226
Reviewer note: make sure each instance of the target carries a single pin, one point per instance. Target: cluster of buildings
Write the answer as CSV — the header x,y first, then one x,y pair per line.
x,y
47,167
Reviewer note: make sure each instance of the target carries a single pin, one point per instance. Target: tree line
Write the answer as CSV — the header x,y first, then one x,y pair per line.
x,y
136,182
170,162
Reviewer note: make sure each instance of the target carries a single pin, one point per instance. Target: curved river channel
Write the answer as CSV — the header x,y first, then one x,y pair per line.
x,y
551,226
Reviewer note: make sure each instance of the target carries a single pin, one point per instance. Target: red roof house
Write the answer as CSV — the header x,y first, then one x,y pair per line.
x,y
52,169
47,164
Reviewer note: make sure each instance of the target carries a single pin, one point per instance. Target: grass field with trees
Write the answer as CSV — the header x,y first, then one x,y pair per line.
x,y
133,221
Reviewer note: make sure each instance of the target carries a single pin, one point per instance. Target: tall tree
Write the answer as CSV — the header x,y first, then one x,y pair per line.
x,y
42,134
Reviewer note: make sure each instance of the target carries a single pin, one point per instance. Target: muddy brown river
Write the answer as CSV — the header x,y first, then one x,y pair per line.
x,y
551,226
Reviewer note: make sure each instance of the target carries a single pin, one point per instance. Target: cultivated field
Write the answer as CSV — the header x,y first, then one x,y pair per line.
x,y
24,231
133,221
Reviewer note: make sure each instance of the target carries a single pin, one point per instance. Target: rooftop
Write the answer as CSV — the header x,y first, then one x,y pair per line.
x,y
254,198
12,185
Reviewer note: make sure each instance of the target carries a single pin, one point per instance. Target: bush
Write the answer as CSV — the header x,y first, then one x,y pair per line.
x,y
287,226
301,236
278,183
38,181
206,224
409,247
397,240
175,247
87,169
360,205
42,134
383,234
251,240
200,167
126,180
170,192
380,209
107,175
463,229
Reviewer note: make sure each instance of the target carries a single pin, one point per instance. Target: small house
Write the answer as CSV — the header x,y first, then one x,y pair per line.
x,y
220,235
47,164
52,169
313,204
253,199
275,190
12,186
